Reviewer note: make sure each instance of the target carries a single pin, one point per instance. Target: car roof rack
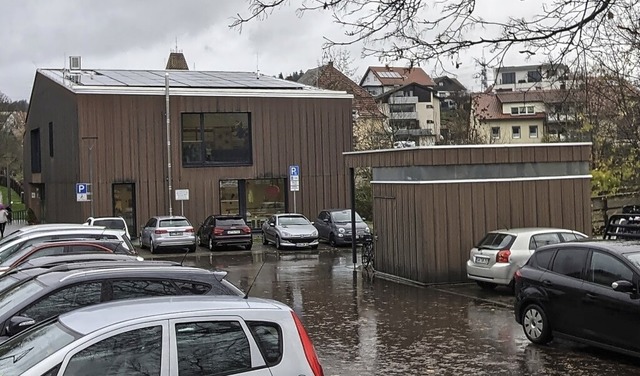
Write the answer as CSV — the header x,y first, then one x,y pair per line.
x,y
625,226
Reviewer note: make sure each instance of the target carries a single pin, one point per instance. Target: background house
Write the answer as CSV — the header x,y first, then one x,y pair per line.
x,y
379,80
233,136
531,77
451,92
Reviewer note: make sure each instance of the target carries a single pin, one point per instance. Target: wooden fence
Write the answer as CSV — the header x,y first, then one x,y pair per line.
x,y
603,206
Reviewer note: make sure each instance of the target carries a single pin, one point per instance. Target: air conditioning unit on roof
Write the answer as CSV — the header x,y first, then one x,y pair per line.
x,y
75,63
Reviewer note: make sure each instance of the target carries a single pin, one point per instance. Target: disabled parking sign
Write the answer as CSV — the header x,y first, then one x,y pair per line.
x,y
82,192
294,178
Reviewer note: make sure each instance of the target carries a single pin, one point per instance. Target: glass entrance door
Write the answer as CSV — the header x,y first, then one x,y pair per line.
x,y
256,198
124,205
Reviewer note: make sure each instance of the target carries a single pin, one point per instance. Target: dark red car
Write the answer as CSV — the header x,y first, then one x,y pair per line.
x,y
224,230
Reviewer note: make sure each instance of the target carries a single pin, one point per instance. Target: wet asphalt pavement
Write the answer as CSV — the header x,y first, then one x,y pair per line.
x,y
367,325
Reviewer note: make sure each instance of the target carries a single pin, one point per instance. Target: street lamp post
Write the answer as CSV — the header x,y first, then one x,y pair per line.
x,y
91,145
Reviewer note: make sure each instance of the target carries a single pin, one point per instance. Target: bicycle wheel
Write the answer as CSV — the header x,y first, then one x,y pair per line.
x,y
367,254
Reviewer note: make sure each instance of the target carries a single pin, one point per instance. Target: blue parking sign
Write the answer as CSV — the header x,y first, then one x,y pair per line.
x,y
294,170
81,188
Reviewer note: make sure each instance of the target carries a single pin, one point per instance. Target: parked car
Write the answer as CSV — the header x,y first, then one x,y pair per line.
x,y
168,232
334,225
289,231
166,336
585,291
22,231
56,292
224,230
85,232
114,223
500,253
64,247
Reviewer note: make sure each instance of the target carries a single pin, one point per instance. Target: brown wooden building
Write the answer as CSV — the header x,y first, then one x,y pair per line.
x,y
233,136
432,204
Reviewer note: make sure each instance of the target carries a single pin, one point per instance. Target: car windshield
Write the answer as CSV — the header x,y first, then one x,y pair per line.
x,y
30,347
8,250
634,258
115,224
496,240
293,220
18,294
230,222
14,235
174,223
344,216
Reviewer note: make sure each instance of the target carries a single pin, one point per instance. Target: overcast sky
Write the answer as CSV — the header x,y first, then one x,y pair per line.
x,y
128,34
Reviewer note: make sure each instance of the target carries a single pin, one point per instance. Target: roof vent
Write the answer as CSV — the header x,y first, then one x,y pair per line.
x,y
75,63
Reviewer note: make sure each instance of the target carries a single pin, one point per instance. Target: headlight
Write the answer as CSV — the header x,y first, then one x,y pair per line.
x,y
284,233
341,230
367,230
315,233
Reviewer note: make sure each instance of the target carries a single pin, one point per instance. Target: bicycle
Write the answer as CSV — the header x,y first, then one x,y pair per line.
x,y
367,253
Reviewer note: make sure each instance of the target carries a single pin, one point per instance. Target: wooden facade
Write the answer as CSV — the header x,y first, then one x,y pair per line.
x,y
426,227
124,137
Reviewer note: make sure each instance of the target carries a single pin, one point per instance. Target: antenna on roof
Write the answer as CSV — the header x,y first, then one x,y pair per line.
x,y
257,65
246,295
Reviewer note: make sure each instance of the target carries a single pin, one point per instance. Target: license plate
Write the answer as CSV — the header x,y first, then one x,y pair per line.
x,y
482,260
175,234
233,232
303,244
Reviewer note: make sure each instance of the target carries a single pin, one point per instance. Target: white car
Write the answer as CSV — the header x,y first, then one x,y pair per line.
x,y
290,230
167,336
114,223
500,253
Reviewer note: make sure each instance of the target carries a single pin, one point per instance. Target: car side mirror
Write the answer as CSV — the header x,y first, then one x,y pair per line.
x,y
363,219
17,324
325,220
623,286
272,224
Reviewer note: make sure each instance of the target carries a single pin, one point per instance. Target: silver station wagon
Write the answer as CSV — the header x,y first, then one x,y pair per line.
x,y
185,335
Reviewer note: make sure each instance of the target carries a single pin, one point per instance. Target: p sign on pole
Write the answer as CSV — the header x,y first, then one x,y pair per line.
x,y
294,183
82,192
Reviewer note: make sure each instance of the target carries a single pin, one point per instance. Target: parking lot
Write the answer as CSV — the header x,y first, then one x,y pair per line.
x,y
366,325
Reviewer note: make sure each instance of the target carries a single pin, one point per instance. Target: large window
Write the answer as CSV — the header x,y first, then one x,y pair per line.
x,y
221,138
509,78
534,76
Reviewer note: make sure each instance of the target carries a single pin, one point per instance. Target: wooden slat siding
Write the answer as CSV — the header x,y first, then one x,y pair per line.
x,y
490,200
451,156
530,204
467,239
411,258
541,154
478,212
419,230
543,203
567,194
489,155
440,233
587,214
555,203
502,156
464,156
504,200
566,154
518,198
453,214
528,154
515,155
553,154
438,157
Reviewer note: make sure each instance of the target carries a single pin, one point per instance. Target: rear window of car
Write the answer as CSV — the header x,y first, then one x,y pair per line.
x,y
226,222
543,258
174,223
544,239
570,261
496,240
268,335
110,223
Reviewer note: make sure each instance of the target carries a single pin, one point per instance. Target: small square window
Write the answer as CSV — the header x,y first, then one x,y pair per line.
x,y
531,110
523,110
514,110
515,131
495,132
533,131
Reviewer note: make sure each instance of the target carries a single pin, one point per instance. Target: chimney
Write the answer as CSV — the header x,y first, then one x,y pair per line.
x,y
177,62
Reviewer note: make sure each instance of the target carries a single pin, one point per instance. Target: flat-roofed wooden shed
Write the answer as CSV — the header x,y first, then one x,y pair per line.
x,y
432,204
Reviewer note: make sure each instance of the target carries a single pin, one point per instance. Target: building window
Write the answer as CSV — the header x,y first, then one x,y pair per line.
x,y
214,139
531,110
495,132
533,131
514,111
509,78
515,132
534,76
523,110
36,164
51,139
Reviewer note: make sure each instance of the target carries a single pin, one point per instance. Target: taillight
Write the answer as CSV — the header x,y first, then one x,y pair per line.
x,y
161,231
190,229
246,230
503,256
309,351
218,231
517,275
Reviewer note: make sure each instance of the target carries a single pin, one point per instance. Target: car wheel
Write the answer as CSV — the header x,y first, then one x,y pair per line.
x,y
248,247
278,245
332,240
264,239
198,240
486,285
192,248
212,246
535,324
152,247
142,246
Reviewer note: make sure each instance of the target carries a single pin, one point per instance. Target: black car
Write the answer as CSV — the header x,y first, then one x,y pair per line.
x,y
56,291
224,230
585,291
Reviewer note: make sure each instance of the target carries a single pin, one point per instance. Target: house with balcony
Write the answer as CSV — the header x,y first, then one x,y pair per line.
x,y
379,80
451,92
413,113
523,116
531,77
